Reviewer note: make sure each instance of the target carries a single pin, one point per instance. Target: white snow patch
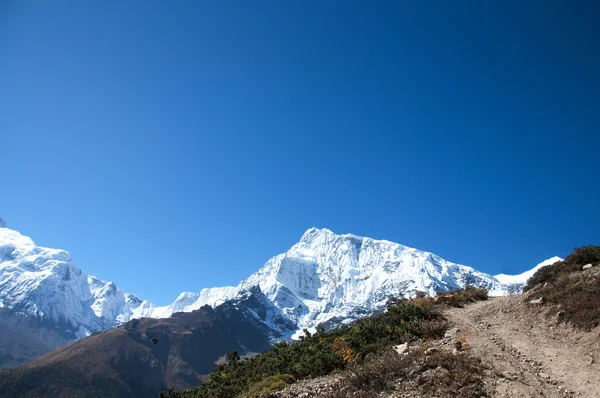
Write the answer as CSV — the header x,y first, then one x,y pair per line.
x,y
522,278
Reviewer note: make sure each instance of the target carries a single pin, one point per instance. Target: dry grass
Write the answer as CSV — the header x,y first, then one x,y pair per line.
x,y
433,329
462,338
439,373
573,291
573,263
461,297
444,374
577,296
454,298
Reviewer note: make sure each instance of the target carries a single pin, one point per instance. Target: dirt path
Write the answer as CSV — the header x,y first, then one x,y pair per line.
x,y
529,355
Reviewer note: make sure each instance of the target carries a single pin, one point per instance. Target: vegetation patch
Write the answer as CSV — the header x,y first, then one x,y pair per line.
x,y
439,374
453,298
574,292
265,387
317,354
351,347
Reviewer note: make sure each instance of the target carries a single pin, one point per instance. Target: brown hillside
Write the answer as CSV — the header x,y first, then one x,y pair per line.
x,y
123,362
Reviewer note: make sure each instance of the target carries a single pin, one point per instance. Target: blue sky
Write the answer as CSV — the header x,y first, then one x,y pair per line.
x,y
200,138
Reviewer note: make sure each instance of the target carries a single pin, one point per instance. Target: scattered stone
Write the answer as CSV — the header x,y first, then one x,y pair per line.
x,y
450,333
431,350
537,301
587,266
401,348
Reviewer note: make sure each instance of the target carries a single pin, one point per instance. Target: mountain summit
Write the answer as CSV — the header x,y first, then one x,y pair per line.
x,y
46,301
327,276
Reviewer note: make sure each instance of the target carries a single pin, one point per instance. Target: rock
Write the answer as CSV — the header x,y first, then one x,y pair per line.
x,y
401,348
587,266
431,350
537,301
450,333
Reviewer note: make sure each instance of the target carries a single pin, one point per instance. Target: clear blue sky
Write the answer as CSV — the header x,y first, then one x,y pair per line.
x,y
171,146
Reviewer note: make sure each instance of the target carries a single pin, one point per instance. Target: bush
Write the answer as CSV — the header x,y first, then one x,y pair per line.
x,y
574,262
452,375
461,297
564,285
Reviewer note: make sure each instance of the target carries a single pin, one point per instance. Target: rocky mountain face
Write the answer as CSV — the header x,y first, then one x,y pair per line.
x,y
47,302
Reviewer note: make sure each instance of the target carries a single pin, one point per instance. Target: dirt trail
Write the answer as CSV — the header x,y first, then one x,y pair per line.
x,y
529,354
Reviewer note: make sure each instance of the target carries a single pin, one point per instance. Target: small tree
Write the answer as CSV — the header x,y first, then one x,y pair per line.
x,y
233,356
320,329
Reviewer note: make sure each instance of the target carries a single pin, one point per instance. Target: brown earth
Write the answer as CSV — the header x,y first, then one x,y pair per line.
x,y
536,356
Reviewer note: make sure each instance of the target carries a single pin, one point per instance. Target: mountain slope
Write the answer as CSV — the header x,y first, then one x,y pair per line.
x,y
47,302
43,282
123,362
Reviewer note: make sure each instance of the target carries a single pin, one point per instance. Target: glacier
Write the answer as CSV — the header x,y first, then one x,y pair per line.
x,y
323,277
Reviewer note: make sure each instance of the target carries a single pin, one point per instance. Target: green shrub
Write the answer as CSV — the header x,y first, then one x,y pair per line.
x,y
321,353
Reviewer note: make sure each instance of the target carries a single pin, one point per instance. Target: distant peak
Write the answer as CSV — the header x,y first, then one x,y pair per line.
x,y
187,295
551,261
3,223
315,231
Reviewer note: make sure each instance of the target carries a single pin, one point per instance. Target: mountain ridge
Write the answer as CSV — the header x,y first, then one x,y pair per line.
x,y
322,278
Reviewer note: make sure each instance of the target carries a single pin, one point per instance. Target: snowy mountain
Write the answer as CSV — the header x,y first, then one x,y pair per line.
x,y
44,283
323,277
327,276
521,279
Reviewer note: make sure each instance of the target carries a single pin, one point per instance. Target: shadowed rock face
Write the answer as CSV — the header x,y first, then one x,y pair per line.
x,y
24,338
123,362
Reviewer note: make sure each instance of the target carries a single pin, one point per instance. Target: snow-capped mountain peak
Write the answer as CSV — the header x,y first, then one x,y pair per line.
x,y
323,277
43,282
326,276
